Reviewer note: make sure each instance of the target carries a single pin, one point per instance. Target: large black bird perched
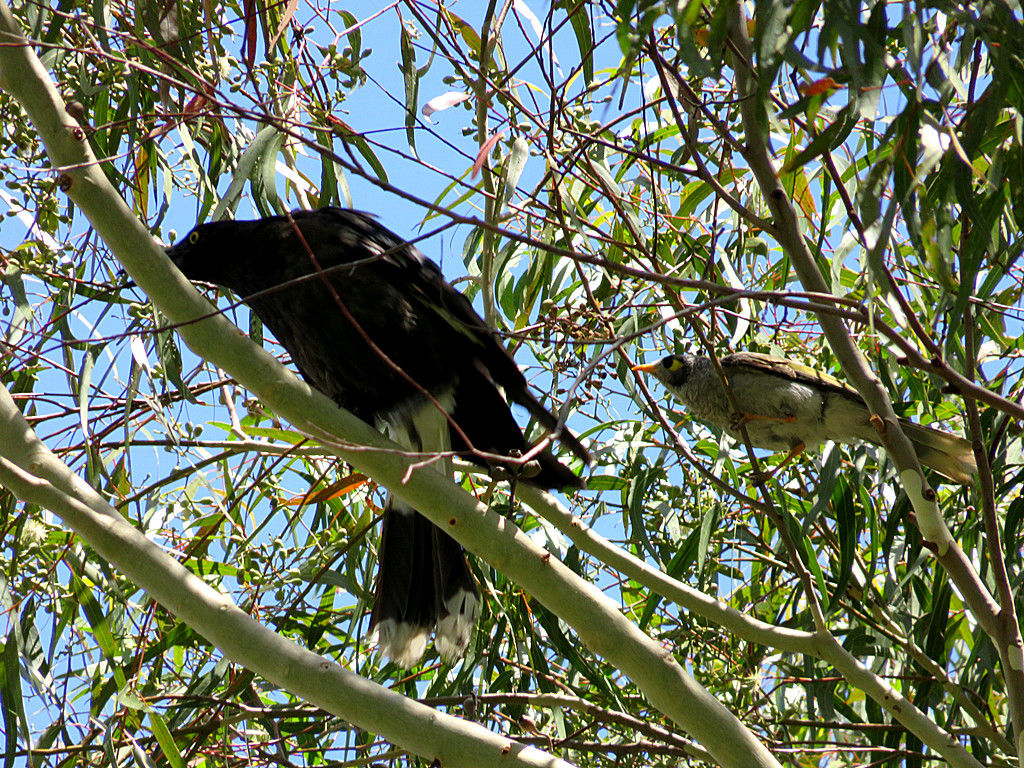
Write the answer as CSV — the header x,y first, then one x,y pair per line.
x,y
377,330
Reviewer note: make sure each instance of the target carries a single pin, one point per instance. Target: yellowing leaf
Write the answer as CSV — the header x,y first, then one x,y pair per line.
x,y
468,33
334,490
801,193
141,186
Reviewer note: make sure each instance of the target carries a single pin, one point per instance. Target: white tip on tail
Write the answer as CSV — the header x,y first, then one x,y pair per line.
x,y
402,643
455,628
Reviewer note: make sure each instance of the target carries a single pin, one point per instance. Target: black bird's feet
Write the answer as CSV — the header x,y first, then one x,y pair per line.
x,y
515,471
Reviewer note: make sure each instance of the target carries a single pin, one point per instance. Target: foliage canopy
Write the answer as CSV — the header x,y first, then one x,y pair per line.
x,y
836,182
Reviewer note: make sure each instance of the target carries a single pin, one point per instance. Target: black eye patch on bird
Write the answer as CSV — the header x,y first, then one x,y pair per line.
x,y
391,341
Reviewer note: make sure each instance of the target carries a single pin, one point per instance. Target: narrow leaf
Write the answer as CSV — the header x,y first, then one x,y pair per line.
x,y
336,489
514,169
289,11
485,150
249,44
412,87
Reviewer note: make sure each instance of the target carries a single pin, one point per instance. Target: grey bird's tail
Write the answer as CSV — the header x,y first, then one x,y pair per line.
x,y
948,454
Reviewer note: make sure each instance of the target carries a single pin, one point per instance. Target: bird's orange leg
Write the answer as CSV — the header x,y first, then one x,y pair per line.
x,y
794,452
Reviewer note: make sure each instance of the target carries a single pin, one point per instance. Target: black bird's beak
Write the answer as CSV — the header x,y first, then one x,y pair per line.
x,y
169,250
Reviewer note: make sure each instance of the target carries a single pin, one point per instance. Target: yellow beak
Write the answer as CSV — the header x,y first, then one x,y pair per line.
x,y
648,368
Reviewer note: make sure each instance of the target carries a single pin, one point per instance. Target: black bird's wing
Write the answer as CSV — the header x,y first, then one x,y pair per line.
x,y
487,376
498,370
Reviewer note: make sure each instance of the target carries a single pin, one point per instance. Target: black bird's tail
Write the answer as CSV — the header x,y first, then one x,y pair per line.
x,y
424,585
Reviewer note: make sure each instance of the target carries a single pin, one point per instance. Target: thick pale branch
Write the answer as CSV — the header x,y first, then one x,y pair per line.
x,y
740,624
45,481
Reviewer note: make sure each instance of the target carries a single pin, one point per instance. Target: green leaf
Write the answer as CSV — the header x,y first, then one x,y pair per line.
x,y
266,140
11,704
581,22
349,136
514,165
23,313
835,133
164,739
84,382
848,534
467,32
264,178
412,84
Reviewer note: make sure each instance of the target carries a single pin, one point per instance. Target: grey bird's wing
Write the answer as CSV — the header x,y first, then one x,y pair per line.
x,y
790,370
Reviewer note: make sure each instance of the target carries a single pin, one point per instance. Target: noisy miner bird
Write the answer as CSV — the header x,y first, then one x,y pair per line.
x,y
370,322
789,406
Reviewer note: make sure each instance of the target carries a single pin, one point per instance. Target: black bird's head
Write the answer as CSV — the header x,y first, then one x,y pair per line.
x,y
672,371
251,256
208,253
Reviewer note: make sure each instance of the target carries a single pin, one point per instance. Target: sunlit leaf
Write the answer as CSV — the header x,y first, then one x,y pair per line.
x,y
337,489
468,34
483,153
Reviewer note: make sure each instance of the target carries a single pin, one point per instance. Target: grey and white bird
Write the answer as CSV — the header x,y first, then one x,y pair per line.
x,y
788,406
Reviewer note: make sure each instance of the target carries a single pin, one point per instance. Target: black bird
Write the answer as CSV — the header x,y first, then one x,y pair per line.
x,y
380,332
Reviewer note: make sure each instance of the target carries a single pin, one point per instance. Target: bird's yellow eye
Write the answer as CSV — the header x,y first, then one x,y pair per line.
x,y
193,237
672,363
